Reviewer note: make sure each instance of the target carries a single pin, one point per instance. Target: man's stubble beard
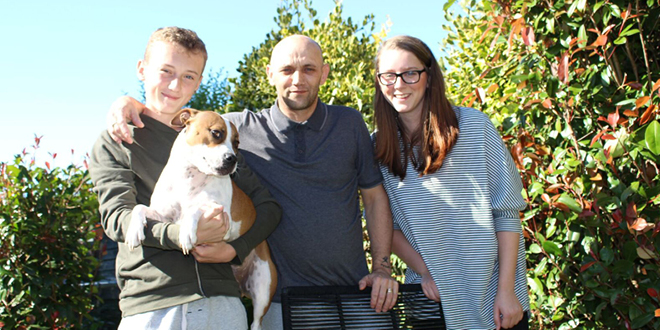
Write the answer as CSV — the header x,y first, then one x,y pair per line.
x,y
301,105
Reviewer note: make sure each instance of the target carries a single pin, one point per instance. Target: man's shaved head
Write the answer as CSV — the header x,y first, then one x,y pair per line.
x,y
296,42
297,71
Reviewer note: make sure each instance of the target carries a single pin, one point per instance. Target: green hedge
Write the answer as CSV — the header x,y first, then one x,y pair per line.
x,y
49,235
575,88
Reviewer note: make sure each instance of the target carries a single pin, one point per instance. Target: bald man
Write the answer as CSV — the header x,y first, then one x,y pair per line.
x,y
316,159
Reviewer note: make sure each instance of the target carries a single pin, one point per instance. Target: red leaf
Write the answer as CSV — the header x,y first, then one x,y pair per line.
x,y
638,224
547,103
516,152
586,266
608,137
600,41
631,113
553,189
48,166
647,114
613,118
618,217
528,36
561,206
655,86
631,212
597,137
586,214
652,292
642,101
481,95
562,70
546,198
657,312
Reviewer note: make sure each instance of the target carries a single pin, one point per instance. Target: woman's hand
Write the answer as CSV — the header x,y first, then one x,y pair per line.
x,y
508,310
429,288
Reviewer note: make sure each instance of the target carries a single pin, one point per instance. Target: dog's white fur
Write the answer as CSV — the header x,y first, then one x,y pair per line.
x,y
197,175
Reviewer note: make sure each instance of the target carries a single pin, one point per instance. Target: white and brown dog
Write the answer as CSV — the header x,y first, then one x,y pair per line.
x,y
197,174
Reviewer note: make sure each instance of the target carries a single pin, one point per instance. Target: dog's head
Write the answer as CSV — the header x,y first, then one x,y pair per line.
x,y
212,141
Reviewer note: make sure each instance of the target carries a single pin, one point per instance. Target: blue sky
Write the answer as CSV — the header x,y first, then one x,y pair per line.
x,y
64,62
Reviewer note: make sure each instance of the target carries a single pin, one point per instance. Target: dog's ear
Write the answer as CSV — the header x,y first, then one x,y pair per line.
x,y
234,137
181,118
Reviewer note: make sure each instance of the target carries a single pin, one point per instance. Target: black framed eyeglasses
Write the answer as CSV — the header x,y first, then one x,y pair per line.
x,y
408,77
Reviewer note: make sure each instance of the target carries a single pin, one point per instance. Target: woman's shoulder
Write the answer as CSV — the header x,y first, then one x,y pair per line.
x,y
466,114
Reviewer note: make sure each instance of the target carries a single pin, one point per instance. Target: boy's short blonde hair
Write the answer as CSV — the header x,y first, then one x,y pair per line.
x,y
185,38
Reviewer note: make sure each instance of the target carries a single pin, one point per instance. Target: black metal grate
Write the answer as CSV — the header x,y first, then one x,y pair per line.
x,y
346,307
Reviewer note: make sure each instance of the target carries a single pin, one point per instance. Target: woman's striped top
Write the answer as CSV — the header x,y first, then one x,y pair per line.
x,y
451,218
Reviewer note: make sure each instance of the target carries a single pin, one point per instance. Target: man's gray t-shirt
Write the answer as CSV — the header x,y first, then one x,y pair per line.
x,y
314,170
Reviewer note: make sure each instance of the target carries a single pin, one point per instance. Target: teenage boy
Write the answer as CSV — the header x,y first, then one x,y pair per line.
x,y
161,288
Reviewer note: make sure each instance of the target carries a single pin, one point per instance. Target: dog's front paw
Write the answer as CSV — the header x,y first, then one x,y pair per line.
x,y
135,232
187,237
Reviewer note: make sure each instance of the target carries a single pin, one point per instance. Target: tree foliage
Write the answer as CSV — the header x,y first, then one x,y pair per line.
x,y
49,232
348,47
574,86
213,93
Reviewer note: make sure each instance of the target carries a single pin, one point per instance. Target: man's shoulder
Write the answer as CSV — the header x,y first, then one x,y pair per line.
x,y
345,113
246,117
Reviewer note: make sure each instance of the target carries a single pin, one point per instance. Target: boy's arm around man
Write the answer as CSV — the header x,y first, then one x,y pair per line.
x,y
125,174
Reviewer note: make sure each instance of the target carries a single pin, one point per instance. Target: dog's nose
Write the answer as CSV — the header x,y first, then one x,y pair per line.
x,y
230,158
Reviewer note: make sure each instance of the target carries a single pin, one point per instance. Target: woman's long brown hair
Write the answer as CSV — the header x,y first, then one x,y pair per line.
x,y
439,130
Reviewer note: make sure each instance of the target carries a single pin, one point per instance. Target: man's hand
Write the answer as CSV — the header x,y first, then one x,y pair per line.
x,y
429,288
219,252
508,311
123,110
384,290
213,225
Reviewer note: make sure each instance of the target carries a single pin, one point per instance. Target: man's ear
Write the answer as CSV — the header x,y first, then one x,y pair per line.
x,y
181,118
269,74
325,71
140,69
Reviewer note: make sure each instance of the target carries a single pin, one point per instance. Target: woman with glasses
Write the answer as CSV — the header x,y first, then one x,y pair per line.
x,y
454,191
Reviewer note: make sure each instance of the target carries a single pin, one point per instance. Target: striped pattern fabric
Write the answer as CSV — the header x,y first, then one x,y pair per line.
x,y
451,218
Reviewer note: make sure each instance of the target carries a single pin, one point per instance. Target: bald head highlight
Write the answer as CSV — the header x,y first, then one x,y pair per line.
x,y
296,42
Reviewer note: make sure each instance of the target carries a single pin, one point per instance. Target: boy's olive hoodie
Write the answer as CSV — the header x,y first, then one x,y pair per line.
x,y
157,274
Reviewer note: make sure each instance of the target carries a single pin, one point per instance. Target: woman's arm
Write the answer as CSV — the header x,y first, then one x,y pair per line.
x,y
402,248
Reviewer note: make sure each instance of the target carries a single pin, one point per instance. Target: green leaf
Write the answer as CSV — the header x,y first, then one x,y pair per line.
x,y
572,8
641,320
652,137
582,37
606,255
540,268
535,248
570,202
448,4
552,248
535,286
630,250
597,6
